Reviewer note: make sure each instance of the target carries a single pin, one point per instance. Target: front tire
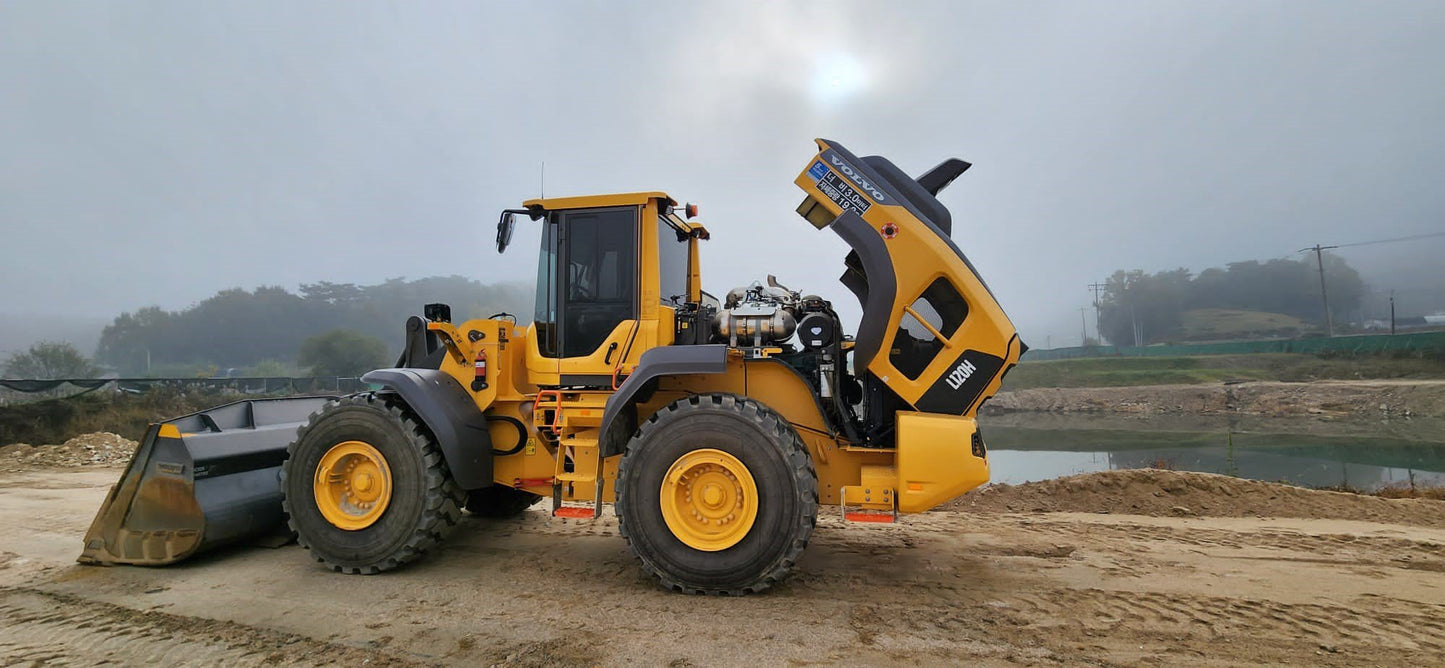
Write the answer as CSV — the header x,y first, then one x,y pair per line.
x,y
716,494
365,487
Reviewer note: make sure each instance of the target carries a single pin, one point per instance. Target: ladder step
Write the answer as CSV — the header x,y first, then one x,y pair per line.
x,y
869,516
575,512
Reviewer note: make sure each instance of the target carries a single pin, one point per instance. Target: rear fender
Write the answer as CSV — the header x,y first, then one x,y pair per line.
x,y
448,410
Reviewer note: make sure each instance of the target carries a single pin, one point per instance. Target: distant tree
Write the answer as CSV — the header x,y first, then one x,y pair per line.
x,y
128,342
342,352
1155,303
271,369
239,328
49,360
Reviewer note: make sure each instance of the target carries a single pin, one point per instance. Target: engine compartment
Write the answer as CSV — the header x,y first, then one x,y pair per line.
x,y
771,321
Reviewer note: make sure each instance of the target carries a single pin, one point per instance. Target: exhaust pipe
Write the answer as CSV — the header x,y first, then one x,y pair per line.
x,y
198,482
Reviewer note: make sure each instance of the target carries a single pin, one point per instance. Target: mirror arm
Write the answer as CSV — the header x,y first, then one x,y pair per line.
x,y
506,223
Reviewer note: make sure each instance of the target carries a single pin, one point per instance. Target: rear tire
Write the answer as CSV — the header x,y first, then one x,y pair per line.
x,y
499,502
423,504
760,451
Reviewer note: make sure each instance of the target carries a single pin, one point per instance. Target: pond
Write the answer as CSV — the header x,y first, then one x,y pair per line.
x,y
1364,455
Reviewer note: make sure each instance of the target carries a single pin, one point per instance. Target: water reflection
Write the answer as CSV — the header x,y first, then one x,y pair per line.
x,y
1312,452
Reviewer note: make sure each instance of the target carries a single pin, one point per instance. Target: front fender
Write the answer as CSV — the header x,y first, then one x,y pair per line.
x,y
447,409
618,421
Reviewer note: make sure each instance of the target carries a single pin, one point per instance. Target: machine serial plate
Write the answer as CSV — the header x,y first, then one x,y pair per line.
x,y
838,190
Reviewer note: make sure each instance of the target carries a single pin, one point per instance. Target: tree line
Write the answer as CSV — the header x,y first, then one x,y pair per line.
x,y
269,327
1153,305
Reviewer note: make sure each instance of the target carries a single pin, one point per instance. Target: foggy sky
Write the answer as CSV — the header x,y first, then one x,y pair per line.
x,y
154,153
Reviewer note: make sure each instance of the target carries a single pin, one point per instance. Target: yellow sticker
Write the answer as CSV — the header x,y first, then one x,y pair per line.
x,y
531,446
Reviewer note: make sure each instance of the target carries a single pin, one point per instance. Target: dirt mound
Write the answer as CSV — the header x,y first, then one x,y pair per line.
x,y
98,449
1176,493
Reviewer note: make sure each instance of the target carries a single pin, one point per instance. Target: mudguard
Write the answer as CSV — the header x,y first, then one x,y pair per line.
x,y
654,364
449,412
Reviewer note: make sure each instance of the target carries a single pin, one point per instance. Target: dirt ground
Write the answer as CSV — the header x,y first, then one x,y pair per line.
x,y
1005,580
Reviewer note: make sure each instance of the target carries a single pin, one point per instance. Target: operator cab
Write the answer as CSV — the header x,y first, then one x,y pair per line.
x,y
612,272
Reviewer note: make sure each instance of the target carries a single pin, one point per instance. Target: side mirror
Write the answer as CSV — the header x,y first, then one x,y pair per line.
x,y
504,229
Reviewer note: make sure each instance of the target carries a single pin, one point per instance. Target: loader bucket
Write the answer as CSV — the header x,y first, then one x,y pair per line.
x,y
199,481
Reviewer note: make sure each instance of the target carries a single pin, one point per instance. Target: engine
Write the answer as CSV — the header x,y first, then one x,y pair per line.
x,y
758,315
770,315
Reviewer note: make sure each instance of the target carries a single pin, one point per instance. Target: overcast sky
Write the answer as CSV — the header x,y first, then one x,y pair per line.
x,y
154,153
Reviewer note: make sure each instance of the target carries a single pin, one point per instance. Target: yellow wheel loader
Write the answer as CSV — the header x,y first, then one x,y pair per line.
x,y
718,429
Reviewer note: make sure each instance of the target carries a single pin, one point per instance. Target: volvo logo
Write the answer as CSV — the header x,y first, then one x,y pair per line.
x,y
857,178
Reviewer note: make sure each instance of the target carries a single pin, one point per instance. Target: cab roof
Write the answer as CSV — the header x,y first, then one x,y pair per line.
x,y
592,201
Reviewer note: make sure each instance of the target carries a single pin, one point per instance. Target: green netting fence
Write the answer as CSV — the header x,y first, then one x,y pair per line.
x,y
1427,344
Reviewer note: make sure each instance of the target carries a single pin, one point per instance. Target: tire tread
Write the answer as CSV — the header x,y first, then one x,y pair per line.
x,y
801,468
441,509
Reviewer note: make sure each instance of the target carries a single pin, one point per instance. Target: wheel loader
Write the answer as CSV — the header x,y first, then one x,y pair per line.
x,y
719,429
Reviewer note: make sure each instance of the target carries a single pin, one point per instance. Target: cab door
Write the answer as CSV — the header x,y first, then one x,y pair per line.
x,y
587,295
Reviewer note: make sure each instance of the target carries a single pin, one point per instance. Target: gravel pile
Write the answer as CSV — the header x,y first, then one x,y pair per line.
x,y
97,449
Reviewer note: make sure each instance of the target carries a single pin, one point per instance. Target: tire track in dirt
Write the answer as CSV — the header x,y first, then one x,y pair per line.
x,y
1168,614
1078,625
49,628
1344,548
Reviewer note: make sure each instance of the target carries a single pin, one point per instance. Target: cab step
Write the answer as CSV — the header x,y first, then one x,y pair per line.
x,y
869,516
576,512
562,510
878,503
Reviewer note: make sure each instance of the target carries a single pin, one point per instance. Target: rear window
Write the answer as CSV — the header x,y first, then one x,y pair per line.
x,y
940,310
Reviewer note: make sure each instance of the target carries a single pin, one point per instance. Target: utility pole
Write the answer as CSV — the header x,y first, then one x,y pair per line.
x,y
1320,261
1392,312
1098,310
1083,329
1138,332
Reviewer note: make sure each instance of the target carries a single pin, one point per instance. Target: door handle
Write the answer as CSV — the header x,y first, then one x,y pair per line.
x,y
610,349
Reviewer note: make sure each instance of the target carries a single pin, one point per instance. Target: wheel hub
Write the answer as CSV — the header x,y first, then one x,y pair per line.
x,y
709,500
352,485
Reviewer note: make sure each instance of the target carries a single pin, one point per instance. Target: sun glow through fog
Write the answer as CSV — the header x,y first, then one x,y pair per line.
x,y
837,77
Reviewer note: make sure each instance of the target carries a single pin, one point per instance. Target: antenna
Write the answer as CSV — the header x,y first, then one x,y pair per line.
x,y
544,180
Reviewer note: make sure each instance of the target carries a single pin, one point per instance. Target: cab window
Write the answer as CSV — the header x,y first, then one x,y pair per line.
x,y
672,258
598,280
939,309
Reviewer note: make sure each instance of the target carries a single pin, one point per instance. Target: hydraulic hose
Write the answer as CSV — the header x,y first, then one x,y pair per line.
x,y
521,434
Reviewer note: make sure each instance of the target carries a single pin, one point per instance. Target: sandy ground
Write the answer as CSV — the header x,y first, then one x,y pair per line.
x,y
983,585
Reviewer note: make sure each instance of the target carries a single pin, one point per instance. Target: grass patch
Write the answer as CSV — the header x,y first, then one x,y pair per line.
x,y
1406,492
1397,491
1127,371
1215,324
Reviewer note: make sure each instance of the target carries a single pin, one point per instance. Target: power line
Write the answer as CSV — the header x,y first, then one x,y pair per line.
x,y
1415,237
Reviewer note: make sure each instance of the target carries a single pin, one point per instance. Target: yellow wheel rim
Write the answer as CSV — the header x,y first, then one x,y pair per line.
x,y
709,500
353,485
